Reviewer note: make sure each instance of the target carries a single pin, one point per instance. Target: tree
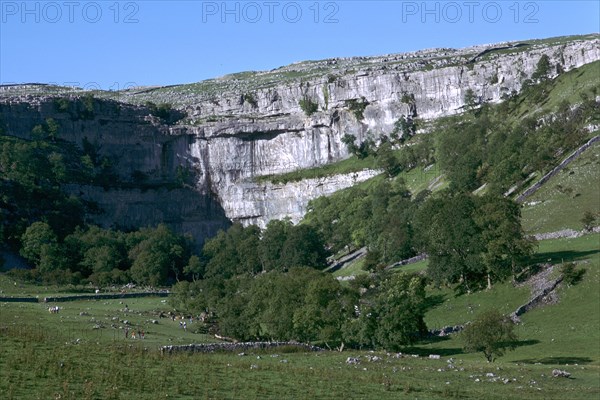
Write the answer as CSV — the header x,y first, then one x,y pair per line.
x,y
391,314
102,259
37,236
325,308
491,333
272,244
194,267
372,261
470,99
506,248
400,310
459,151
588,220
98,251
452,239
387,160
542,69
233,252
52,129
349,140
404,128
363,150
304,247
158,253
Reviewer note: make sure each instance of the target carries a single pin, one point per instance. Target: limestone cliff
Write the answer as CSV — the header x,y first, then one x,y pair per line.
x,y
243,126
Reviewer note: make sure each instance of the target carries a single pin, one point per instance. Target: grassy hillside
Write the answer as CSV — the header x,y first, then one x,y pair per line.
x,y
566,87
562,333
563,200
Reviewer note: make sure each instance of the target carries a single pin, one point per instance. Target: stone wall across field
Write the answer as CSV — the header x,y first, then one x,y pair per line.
x,y
536,186
4,299
105,296
60,299
233,347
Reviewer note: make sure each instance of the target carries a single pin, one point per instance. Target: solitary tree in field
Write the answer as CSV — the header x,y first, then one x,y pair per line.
x,y
491,333
588,220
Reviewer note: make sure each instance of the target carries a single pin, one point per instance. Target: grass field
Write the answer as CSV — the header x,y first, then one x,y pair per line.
x,y
47,356
563,200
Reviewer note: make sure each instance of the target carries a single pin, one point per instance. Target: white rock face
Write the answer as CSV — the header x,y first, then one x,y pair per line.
x,y
248,125
257,203
274,136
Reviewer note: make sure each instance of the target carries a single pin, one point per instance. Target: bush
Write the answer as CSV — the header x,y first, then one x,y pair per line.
x,y
357,107
571,275
165,112
249,98
588,220
308,106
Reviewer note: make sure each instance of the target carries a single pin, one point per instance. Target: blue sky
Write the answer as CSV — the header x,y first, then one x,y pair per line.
x,y
113,44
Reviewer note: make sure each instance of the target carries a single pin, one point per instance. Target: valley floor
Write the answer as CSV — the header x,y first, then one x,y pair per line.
x,y
82,353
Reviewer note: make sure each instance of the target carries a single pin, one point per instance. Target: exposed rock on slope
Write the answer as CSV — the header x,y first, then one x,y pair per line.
x,y
247,125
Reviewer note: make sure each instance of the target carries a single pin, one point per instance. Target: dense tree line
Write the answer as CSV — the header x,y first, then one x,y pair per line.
x,y
378,217
47,227
268,286
248,250
472,241
308,305
148,256
491,146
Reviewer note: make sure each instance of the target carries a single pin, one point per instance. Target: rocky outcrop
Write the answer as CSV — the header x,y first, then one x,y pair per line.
x,y
538,298
245,126
259,202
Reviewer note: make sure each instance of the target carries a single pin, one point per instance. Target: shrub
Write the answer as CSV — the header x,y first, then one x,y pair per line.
x,y
249,98
357,107
571,275
61,105
588,220
308,106
165,112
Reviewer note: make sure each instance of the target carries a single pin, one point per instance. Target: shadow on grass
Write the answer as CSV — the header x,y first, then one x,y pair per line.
x,y
444,352
433,301
425,352
521,343
556,360
453,351
563,256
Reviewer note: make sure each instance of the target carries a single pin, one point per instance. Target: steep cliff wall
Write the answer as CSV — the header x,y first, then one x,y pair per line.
x,y
247,125
256,127
135,143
